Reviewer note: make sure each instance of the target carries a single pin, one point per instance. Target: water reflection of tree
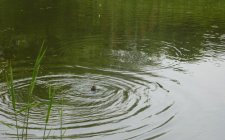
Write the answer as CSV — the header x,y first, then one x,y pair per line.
x,y
142,26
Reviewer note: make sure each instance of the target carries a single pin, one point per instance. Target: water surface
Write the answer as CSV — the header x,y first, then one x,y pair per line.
x,y
159,67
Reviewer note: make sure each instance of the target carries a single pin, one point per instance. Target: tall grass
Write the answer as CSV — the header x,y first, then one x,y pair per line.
x,y
30,103
9,79
32,84
51,95
11,90
61,120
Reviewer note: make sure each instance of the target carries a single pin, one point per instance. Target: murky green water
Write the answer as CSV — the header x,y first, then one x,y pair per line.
x,y
159,67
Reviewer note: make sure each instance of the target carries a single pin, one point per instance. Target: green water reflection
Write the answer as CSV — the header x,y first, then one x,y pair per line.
x,y
90,30
123,41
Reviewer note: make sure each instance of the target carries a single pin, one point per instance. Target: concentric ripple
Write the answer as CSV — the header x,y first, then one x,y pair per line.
x,y
124,106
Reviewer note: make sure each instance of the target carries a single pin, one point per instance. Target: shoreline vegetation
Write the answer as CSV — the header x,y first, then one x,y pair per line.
x,y
23,132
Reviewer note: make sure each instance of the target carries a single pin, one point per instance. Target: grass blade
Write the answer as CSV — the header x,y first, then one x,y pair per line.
x,y
51,95
36,69
49,133
33,82
61,119
34,104
10,85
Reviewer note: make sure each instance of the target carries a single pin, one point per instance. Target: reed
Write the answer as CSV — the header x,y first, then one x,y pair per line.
x,y
51,95
32,84
30,103
61,119
10,85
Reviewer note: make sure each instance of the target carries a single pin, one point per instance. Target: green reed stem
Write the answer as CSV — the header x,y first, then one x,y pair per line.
x,y
9,79
33,82
61,117
51,95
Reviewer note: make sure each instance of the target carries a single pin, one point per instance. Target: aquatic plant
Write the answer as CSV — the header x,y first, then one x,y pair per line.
x,y
33,82
11,90
9,79
51,95
61,120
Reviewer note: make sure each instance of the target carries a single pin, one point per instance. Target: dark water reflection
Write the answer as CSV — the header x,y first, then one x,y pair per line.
x,y
158,67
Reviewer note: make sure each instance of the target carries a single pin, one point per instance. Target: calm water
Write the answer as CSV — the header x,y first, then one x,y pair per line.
x,y
159,67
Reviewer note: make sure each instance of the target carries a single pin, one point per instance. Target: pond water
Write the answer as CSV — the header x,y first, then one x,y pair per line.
x,y
158,66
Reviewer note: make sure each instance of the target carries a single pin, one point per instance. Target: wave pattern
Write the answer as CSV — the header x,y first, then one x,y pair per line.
x,y
124,106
